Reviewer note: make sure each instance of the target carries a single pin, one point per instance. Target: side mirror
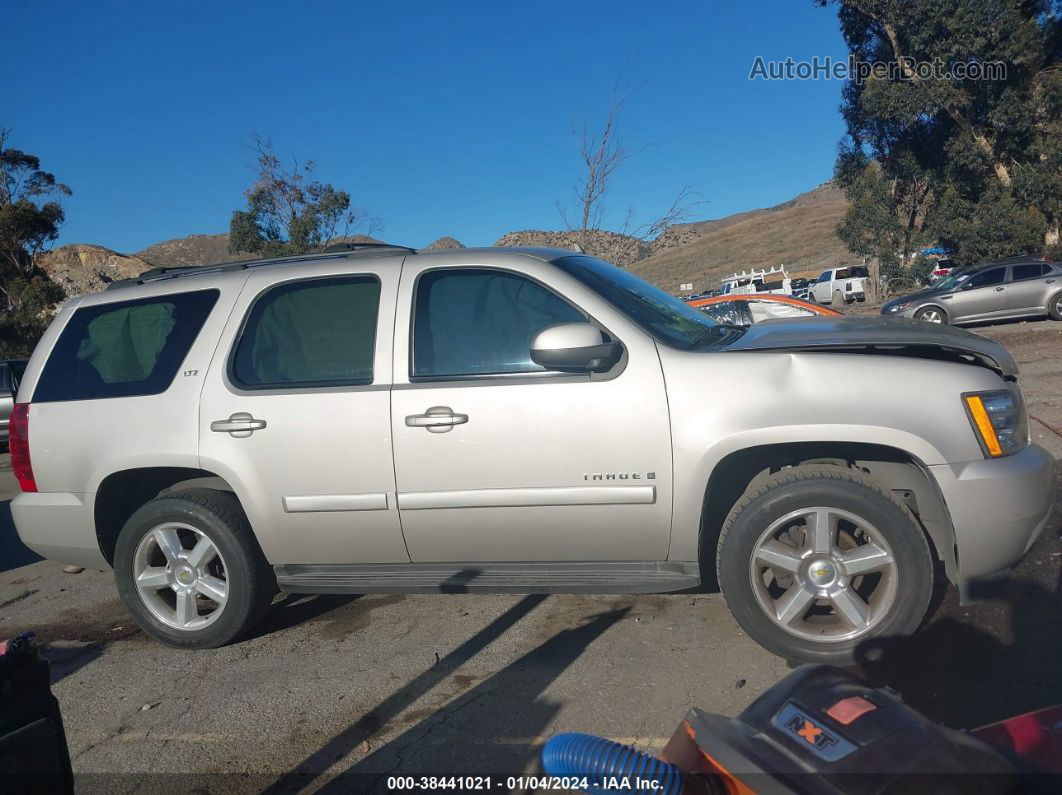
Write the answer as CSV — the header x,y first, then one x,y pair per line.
x,y
575,347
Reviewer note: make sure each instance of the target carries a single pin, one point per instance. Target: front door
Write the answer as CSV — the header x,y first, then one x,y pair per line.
x,y
498,459
982,296
295,412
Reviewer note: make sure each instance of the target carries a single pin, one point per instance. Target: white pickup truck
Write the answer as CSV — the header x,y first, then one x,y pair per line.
x,y
839,285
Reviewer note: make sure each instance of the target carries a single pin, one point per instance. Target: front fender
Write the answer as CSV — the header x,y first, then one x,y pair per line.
x,y
690,482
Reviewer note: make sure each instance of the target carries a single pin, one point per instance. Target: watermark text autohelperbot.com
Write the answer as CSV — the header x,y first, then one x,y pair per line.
x,y
858,71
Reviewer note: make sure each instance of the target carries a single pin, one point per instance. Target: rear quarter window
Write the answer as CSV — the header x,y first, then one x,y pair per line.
x,y
123,349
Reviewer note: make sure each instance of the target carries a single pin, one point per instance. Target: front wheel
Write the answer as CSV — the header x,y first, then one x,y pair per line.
x,y
815,561
188,568
932,314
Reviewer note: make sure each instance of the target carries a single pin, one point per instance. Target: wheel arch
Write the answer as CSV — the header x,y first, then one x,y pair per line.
x,y
121,493
933,305
896,469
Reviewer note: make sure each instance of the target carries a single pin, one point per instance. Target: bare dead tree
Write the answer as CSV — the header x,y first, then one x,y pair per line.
x,y
679,211
602,152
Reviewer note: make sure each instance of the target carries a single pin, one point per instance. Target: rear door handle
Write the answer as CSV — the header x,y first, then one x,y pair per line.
x,y
437,419
1000,289
240,425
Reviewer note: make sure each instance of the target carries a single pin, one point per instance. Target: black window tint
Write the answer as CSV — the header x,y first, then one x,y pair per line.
x,y
318,332
988,278
123,349
479,322
1033,271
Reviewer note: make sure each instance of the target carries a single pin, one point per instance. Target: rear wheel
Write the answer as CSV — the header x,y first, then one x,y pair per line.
x,y
1054,306
932,314
189,569
838,298
816,561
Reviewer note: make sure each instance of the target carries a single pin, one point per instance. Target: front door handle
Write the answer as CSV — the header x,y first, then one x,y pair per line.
x,y
240,425
1000,289
437,419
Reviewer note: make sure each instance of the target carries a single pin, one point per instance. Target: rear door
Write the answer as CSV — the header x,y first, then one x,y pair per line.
x,y
295,412
983,296
1028,287
535,465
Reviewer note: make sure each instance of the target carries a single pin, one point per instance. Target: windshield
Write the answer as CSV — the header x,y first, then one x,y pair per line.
x,y
669,319
951,281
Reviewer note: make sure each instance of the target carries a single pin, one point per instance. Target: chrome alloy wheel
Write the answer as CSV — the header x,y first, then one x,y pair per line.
x,y
180,576
823,574
932,316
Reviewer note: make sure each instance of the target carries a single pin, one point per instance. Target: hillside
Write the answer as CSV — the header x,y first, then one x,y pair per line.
x,y
191,250
798,233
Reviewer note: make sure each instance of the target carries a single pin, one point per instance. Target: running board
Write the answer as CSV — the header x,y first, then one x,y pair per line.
x,y
597,577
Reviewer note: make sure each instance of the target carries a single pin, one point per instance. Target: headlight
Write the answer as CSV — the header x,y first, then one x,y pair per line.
x,y
1000,421
899,307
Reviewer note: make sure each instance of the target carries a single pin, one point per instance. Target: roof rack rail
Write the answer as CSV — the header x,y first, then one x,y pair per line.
x,y
335,251
347,246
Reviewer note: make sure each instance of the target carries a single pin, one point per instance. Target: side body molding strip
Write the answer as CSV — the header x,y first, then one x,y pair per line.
x,y
336,502
524,498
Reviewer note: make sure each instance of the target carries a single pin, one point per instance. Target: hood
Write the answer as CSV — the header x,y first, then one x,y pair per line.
x,y
884,336
921,295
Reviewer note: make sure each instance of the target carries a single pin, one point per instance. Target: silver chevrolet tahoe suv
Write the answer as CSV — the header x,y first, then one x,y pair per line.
x,y
514,420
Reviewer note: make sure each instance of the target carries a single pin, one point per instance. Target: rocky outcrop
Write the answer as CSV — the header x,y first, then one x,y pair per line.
x,y
80,268
619,249
444,242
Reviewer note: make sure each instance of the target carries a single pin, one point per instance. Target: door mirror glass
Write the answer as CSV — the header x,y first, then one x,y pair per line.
x,y
575,347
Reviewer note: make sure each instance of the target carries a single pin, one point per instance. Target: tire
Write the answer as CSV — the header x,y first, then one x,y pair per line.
x,y
811,298
1054,306
181,584
932,314
817,631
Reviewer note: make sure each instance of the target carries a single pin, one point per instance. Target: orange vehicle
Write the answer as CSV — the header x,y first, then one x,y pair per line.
x,y
744,310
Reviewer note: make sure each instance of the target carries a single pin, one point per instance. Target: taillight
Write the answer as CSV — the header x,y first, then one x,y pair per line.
x,y
18,444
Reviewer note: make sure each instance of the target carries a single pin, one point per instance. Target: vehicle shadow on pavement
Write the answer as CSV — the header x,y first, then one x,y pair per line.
x,y
297,608
13,553
304,774
498,720
993,660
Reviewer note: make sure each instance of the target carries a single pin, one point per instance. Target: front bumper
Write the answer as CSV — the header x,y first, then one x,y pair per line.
x,y
59,526
998,508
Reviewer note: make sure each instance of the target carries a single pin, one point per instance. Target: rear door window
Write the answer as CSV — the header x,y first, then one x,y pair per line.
x,y
310,333
1032,271
123,349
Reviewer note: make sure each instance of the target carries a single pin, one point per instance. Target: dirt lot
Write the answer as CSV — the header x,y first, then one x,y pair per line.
x,y
335,692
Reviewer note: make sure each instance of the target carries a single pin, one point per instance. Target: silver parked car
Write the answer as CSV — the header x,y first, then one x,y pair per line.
x,y
516,420
10,373
1008,289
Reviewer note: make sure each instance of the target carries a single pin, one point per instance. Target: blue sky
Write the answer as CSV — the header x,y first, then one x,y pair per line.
x,y
440,118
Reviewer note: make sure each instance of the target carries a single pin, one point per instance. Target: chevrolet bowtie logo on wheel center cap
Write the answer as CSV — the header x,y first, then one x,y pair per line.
x,y
822,572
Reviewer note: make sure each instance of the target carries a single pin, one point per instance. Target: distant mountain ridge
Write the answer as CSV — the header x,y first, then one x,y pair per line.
x,y
799,233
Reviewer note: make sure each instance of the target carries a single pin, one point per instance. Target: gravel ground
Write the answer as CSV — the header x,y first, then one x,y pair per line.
x,y
334,692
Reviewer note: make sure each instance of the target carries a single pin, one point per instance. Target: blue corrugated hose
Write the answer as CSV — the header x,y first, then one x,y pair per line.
x,y
604,762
